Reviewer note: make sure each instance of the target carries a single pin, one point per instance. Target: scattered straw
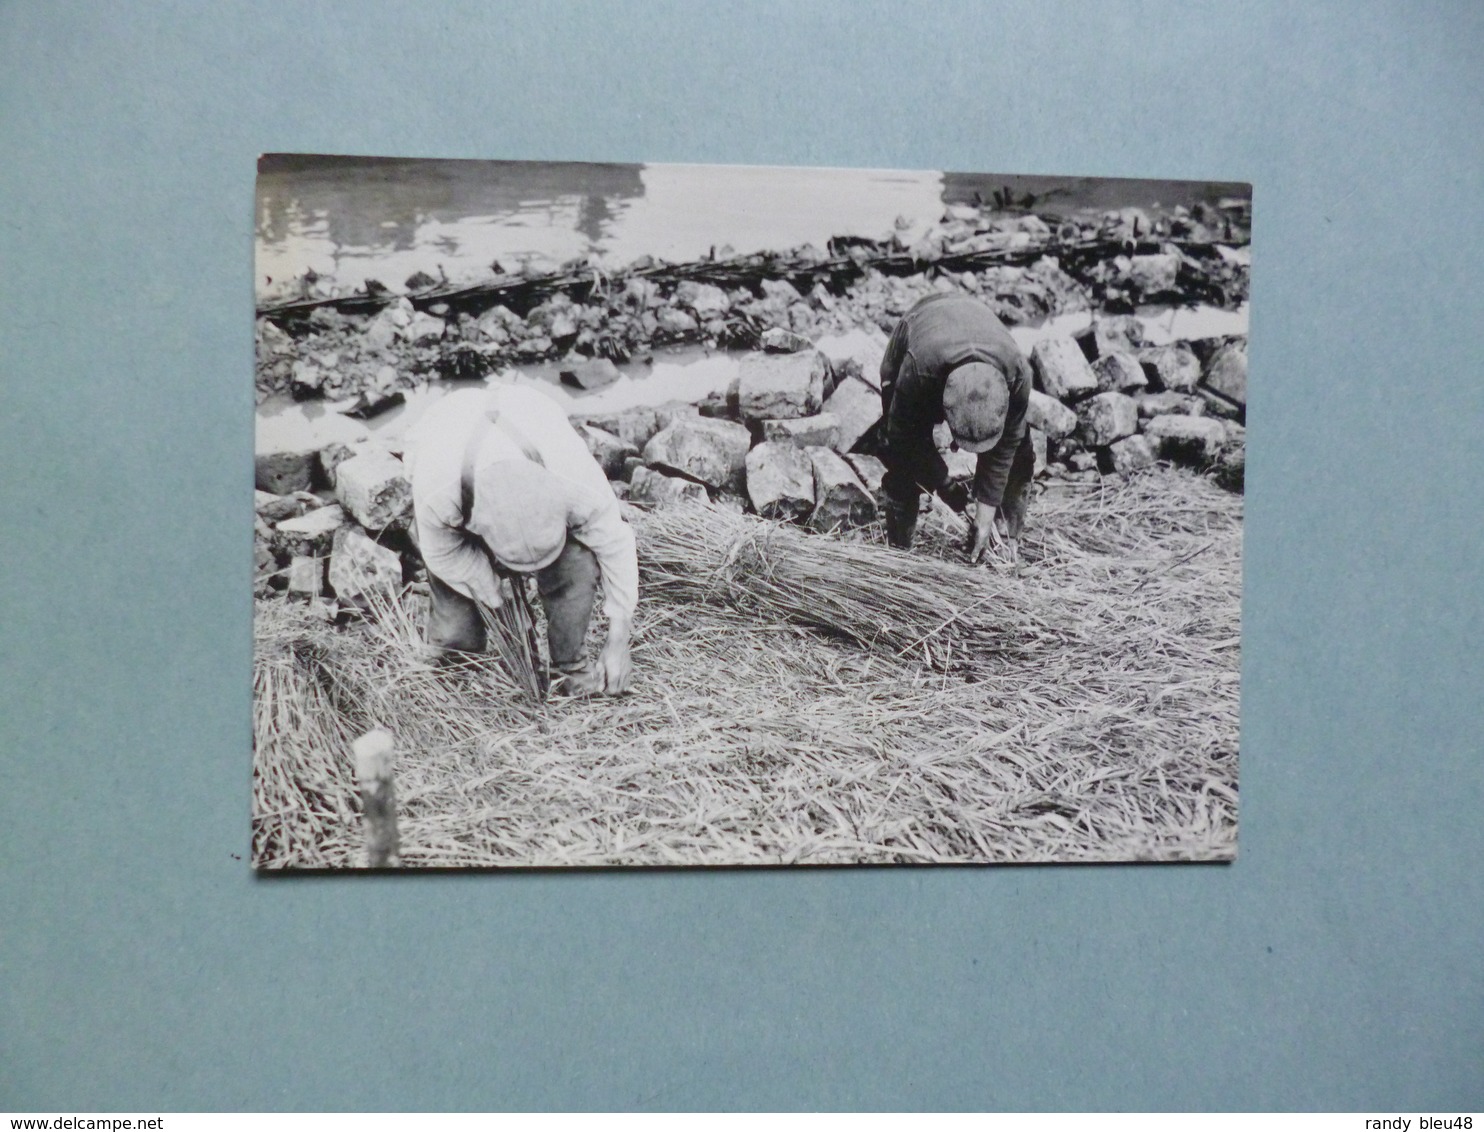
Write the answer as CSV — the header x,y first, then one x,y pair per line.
x,y
1082,706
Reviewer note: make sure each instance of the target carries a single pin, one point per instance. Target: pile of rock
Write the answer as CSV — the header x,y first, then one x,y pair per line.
x,y
350,538
1023,266
779,443
1107,401
793,439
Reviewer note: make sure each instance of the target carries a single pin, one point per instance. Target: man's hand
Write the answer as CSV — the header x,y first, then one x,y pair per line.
x,y
615,669
983,533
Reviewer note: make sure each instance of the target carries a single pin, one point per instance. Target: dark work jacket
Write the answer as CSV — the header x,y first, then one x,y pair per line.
x,y
940,333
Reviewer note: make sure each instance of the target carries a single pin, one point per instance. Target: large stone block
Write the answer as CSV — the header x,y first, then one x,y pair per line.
x,y
672,411
608,450
780,480
778,340
424,328
1219,406
1154,274
1186,439
284,472
1130,454
1108,334
806,432
1061,369
309,534
660,490
1173,367
1039,447
1231,469
374,489
1226,372
705,449
589,373
1050,416
870,471
359,567
778,386
857,353
1161,404
634,426
856,406
675,322
276,508
1106,418
306,576
337,452
705,299
840,499
1119,372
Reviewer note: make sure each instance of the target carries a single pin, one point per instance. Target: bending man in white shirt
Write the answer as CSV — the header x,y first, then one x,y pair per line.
x,y
502,483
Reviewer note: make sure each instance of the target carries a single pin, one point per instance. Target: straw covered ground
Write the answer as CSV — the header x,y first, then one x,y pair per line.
x,y
1080,707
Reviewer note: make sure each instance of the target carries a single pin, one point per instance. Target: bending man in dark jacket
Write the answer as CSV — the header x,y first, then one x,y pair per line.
x,y
951,359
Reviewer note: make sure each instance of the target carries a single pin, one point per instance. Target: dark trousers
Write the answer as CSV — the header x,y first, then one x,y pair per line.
x,y
913,463
568,588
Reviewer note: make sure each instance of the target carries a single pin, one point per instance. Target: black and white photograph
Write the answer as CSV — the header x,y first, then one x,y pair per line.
x,y
706,515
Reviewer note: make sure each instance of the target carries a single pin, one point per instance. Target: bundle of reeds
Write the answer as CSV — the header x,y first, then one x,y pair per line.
x,y
950,615
510,632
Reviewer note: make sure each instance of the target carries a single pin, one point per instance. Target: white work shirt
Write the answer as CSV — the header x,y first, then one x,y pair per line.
x,y
435,454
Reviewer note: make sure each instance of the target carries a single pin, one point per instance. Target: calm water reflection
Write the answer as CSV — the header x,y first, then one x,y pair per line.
x,y
354,218
350,218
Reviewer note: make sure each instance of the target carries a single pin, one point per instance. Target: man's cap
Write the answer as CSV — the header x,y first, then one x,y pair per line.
x,y
976,398
520,511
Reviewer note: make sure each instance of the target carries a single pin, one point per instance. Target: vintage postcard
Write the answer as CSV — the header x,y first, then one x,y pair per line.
x,y
627,515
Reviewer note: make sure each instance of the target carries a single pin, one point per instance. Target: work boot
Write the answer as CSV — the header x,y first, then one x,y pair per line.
x,y
901,523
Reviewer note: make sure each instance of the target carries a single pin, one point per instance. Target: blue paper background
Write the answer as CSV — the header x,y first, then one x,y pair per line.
x,y
1337,964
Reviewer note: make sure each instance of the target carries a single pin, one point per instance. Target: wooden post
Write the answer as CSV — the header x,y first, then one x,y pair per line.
x,y
375,754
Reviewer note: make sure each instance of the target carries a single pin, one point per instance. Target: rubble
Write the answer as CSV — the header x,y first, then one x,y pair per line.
x,y
798,431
